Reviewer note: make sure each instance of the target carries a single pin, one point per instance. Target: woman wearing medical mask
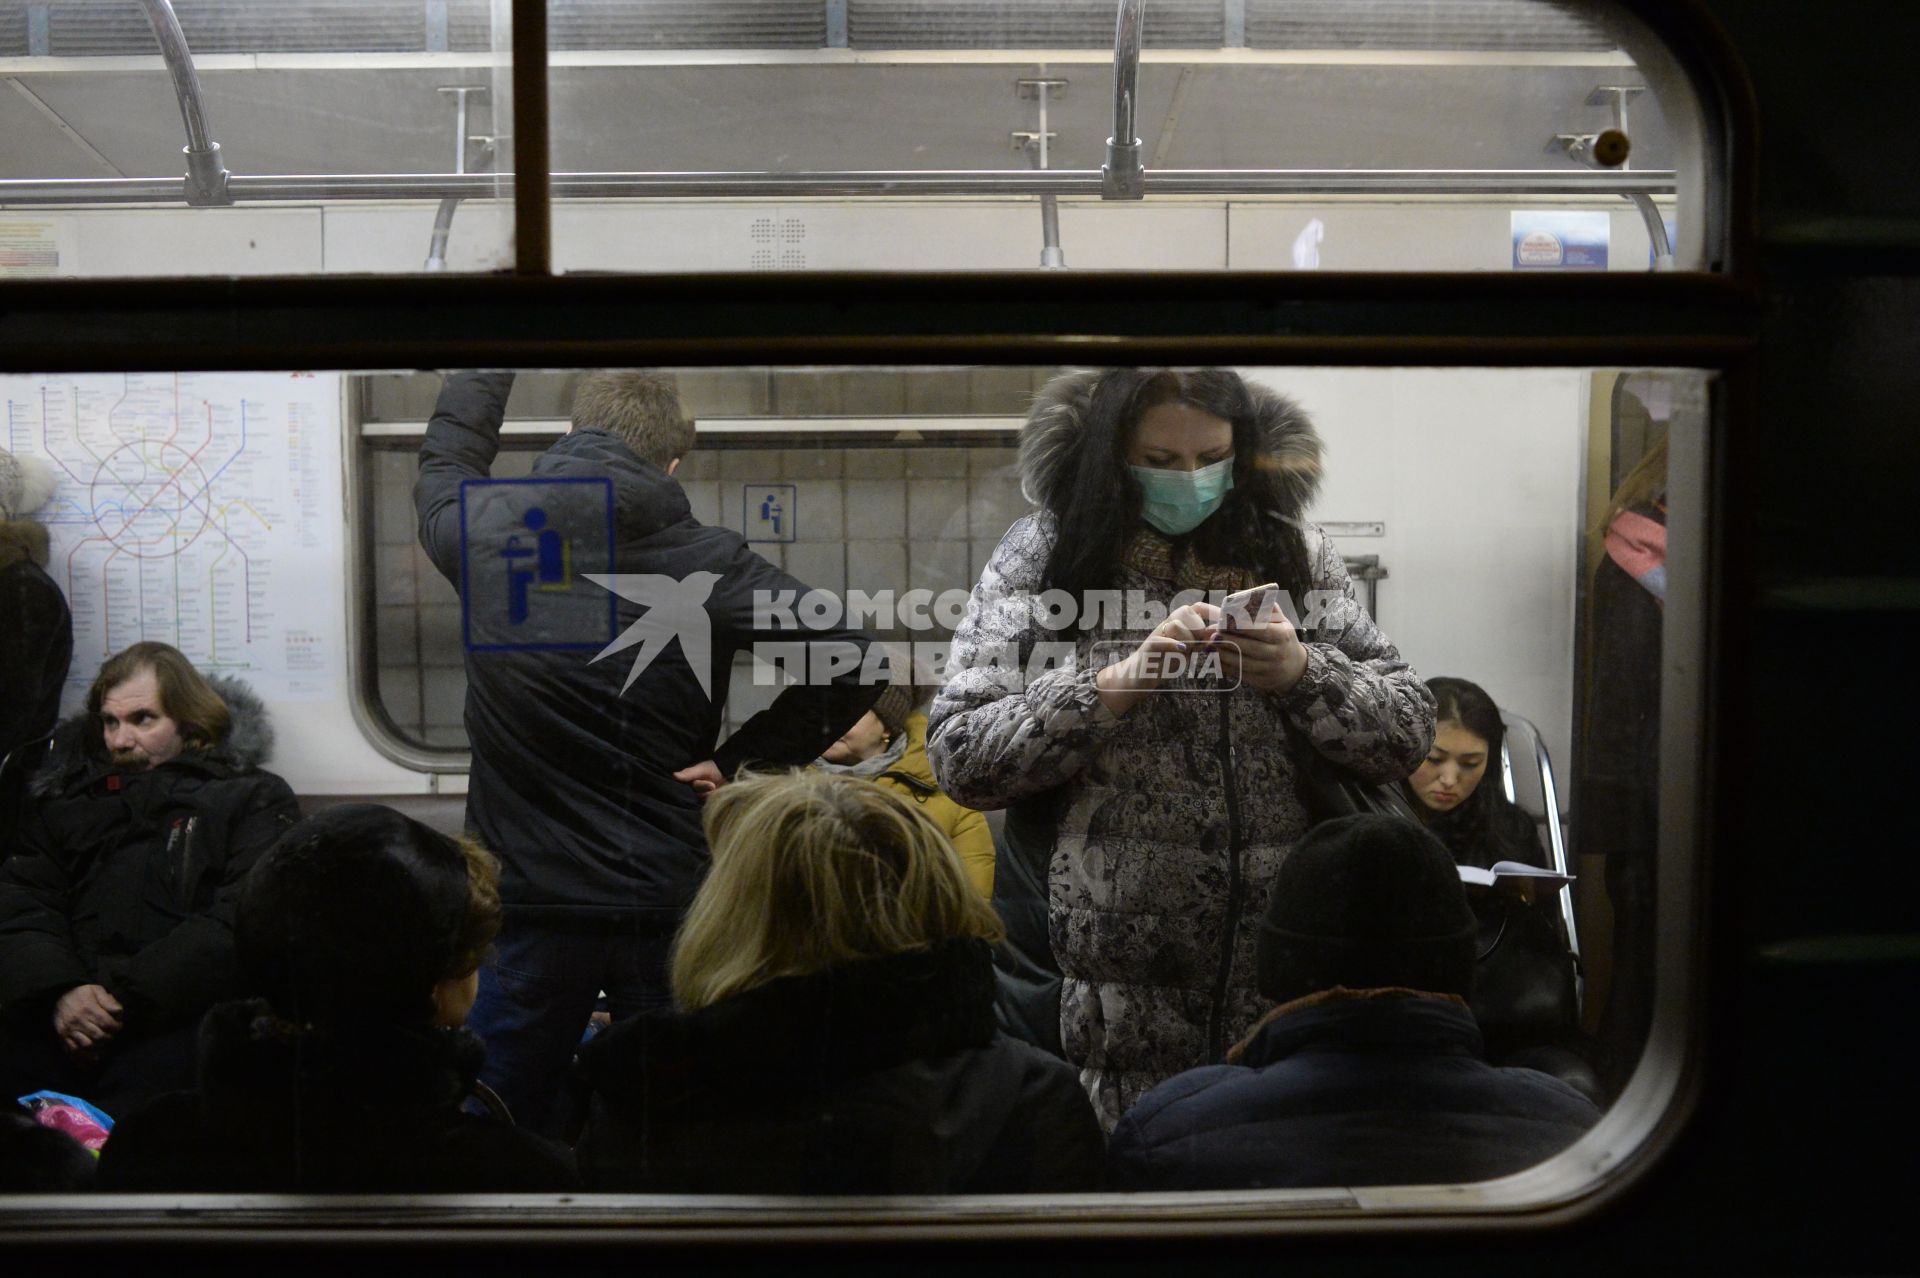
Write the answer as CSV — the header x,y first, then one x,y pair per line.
x,y
1144,741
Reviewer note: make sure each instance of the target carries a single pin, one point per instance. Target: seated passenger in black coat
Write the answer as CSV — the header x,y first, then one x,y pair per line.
x,y
1525,998
116,909
36,629
835,1030
1369,1071
364,931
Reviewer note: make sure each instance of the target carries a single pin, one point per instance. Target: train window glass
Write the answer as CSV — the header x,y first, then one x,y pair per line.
x,y
1536,532
1480,135
233,137
1521,135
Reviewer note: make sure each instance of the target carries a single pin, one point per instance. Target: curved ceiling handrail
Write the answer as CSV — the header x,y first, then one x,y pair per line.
x,y
207,177
1121,177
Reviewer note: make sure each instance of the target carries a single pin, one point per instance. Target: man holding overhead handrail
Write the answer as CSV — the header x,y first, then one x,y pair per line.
x,y
590,761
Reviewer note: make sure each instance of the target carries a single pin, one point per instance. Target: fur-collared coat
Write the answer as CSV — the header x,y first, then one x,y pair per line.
x,y
1166,825
129,880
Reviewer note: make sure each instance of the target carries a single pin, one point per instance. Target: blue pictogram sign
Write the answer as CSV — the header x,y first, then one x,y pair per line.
x,y
525,547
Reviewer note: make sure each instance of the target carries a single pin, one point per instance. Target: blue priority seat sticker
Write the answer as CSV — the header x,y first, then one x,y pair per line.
x,y
527,550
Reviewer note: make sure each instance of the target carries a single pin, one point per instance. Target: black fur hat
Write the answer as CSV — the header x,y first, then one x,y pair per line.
x,y
1366,902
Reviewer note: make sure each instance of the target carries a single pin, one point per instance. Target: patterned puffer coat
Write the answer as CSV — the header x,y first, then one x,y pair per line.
x,y
1168,824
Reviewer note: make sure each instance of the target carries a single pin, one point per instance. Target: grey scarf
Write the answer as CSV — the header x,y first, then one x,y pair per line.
x,y
869,767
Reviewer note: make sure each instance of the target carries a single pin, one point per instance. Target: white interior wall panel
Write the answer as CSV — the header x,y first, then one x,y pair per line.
x,y
629,235
131,242
1476,475
1412,237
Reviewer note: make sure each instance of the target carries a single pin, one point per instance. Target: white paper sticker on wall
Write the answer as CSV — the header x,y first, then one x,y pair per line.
x,y
1306,246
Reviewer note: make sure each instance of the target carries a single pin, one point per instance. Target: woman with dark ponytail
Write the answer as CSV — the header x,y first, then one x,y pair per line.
x,y
362,932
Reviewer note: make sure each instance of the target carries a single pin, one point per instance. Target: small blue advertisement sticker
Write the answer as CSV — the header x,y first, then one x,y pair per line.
x,y
527,549
1559,240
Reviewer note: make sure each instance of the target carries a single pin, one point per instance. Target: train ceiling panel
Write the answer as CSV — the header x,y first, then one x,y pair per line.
x,y
345,119
1036,24
98,28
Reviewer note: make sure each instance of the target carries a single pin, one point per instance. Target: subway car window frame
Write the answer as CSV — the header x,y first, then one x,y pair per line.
x,y
1700,322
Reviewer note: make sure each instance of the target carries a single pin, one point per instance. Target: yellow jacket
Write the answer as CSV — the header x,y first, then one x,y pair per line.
x,y
912,779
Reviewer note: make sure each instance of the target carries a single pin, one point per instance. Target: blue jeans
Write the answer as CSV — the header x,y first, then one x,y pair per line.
x,y
538,993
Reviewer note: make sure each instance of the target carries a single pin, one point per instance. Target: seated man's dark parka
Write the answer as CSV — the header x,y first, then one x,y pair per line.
x,y
129,880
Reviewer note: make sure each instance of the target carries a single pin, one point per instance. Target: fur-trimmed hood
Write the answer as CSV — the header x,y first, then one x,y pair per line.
x,y
1056,431
248,746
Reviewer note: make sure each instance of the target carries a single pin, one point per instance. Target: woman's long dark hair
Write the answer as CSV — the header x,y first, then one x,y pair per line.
x,y
1097,502
1480,831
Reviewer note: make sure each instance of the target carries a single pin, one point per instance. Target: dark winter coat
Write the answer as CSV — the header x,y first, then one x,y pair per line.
x,y
572,778
883,1076
129,880
1524,991
1367,1088
1163,829
36,641
279,1112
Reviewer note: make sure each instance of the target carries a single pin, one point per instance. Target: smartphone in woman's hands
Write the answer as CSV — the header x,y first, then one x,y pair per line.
x,y
1247,605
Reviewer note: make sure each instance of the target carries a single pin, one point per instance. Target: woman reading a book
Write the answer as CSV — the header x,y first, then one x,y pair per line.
x,y
1524,993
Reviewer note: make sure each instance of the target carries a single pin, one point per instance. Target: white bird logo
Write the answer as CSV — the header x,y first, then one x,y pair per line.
x,y
675,610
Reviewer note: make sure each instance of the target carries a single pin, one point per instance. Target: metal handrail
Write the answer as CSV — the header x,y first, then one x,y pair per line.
x,y
1121,176
207,177
1556,839
904,182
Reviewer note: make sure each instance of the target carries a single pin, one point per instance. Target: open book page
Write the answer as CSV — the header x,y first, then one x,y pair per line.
x,y
1511,870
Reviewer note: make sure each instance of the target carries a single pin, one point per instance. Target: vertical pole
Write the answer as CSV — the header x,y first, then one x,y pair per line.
x,y
1234,21
532,153
836,24
39,34
436,23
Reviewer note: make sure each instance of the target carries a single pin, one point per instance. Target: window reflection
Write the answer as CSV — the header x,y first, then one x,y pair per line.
x,y
985,612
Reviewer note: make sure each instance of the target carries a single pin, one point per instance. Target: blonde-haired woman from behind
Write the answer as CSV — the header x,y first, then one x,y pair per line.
x,y
833,1029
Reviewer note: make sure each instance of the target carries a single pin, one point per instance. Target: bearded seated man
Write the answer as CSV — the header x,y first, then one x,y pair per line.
x,y
117,896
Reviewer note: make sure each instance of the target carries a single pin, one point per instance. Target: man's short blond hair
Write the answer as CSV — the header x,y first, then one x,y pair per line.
x,y
641,409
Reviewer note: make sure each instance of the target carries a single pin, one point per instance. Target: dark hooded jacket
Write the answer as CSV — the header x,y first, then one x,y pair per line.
x,y
36,643
572,777
278,1111
129,880
1161,830
36,647
882,1076
1371,1087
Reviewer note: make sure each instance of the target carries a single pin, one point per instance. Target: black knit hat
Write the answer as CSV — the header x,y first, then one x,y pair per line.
x,y
893,707
1366,902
